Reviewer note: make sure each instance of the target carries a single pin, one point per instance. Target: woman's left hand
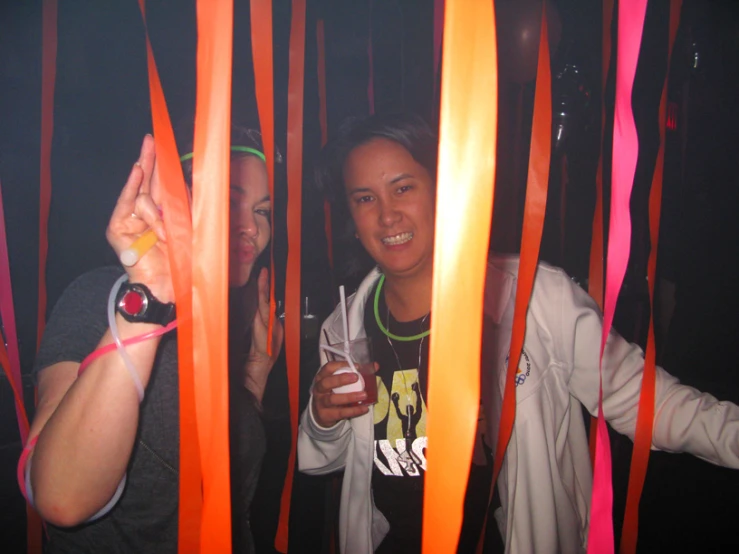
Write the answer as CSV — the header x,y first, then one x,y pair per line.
x,y
260,363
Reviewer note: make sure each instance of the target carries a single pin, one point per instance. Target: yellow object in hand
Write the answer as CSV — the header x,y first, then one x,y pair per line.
x,y
131,255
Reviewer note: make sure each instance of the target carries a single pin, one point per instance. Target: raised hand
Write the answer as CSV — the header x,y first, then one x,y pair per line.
x,y
260,362
137,211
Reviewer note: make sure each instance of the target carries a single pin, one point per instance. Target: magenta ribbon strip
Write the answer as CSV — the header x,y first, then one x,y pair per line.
x,y
7,314
631,15
370,57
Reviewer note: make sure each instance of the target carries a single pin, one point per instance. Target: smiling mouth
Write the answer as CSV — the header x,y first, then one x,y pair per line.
x,y
395,240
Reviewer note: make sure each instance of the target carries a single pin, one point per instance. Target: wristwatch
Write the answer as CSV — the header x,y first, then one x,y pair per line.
x,y
136,303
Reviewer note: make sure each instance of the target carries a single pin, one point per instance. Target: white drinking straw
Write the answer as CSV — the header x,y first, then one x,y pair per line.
x,y
341,354
344,320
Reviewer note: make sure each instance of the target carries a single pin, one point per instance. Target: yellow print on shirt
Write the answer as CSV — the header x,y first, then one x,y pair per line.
x,y
403,407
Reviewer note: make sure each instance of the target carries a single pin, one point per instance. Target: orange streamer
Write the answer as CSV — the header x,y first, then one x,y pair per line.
x,y
645,419
295,90
323,120
178,226
533,225
48,82
467,163
261,48
595,274
211,170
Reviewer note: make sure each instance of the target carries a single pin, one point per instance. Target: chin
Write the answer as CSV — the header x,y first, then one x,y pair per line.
x,y
239,277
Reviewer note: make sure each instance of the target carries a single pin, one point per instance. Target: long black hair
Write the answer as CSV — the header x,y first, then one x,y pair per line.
x,y
409,131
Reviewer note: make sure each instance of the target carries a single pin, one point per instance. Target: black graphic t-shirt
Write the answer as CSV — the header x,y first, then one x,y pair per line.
x,y
400,426
400,438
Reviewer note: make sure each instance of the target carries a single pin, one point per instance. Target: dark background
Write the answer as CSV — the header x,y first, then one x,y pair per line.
x,y
102,111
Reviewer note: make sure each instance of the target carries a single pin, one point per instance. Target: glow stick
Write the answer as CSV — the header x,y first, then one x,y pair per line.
x,y
131,255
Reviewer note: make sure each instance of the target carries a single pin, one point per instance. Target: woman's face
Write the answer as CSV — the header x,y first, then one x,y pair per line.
x,y
392,200
250,209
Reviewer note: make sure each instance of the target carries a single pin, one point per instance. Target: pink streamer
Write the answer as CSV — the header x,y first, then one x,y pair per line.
x,y
7,314
370,57
438,33
631,15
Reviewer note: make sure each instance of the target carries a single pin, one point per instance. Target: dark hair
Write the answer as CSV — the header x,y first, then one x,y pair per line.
x,y
241,135
409,131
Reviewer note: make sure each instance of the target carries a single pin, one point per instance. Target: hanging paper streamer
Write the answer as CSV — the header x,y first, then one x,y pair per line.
x,y
295,92
261,49
465,185
48,81
178,226
533,225
645,419
370,59
631,15
438,34
211,170
323,121
595,273
12,366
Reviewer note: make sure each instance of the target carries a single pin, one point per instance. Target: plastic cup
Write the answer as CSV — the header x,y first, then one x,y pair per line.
x,y
360,351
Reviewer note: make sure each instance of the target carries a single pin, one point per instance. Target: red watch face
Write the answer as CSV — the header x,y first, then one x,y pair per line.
x,y
132,302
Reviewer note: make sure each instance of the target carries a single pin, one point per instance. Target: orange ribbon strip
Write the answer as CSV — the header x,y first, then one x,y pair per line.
x,y
48,81
467,147
295,90
595,275
178,225
645,419
261,48
537,186
211,170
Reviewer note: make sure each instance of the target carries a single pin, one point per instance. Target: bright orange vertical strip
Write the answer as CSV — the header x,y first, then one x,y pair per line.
x,y
533,225
211,178
595,278
178,224
595,273
48,82
645,419
323,121
469,112
295,93
261,50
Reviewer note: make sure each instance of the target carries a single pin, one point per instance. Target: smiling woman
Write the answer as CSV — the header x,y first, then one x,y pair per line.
x,y
397,139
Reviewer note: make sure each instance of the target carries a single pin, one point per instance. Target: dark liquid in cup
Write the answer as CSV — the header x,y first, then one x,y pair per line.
x,y
370,383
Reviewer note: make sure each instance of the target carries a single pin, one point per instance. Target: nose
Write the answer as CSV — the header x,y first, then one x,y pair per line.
x,y
245,222
389,214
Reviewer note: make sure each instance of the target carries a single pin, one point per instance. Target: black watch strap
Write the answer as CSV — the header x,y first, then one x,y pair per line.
x,y
136,303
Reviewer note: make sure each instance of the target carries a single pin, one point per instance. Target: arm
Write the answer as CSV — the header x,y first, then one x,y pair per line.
x,y
686,420
86,426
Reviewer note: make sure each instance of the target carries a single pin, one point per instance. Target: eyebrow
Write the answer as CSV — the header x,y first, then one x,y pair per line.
x,y
393,181
236,188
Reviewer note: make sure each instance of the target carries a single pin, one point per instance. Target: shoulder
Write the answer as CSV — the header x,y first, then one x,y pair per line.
x,y
78,319
355,303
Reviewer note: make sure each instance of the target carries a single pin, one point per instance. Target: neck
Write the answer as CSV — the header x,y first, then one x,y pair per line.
x,y
408,298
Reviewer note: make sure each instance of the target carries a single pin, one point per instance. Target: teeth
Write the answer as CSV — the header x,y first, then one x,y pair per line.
x,y
400,238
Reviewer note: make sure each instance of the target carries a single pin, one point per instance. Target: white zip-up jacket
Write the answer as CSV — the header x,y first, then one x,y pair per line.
x,y
546,479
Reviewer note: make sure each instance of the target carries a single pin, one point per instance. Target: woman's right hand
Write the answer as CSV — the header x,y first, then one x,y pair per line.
x,y
330,408
135,212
